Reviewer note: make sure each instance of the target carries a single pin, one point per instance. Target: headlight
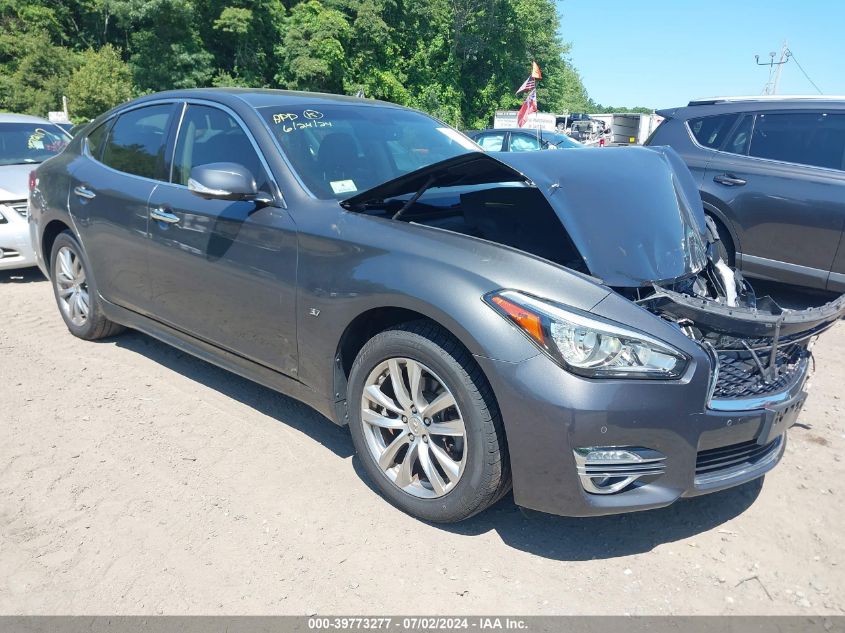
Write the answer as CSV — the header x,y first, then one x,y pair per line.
x,y
588,345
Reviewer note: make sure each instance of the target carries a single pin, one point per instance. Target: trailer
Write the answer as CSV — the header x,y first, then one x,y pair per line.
x,y
629,128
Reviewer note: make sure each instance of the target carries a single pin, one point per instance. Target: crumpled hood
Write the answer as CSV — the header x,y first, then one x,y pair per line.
x,y
14,181
633,213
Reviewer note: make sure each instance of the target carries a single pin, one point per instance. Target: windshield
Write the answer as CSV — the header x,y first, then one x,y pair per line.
x,y
340,150
23,143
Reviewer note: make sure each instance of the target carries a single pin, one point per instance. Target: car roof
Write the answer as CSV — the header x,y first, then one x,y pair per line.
x,y
765,98
261,97
9,117
722,105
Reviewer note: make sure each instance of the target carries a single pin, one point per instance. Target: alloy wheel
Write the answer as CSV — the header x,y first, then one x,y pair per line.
x,y
71,286
413,428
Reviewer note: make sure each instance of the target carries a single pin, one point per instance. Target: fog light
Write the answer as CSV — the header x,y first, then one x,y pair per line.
x,y
604,470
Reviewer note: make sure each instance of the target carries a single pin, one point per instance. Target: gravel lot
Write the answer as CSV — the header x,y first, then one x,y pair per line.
x,y
135,479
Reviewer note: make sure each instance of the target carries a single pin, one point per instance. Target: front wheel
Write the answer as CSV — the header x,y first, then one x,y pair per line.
x,y
76,292
425,424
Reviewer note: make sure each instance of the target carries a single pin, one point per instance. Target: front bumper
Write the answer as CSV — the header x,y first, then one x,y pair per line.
x,y
15,247
548,413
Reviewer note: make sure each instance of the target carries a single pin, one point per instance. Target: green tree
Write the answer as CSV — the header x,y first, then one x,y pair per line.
x,y
100,82
312,52
34,81
165,49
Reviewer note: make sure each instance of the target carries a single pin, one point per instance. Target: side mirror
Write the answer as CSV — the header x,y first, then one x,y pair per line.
x,y
224,181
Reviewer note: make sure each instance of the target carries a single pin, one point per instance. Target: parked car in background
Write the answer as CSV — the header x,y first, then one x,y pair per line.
x,y
478,320
521,140
25,141
770,173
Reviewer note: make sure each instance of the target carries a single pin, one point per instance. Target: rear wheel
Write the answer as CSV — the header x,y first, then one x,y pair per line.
x,y
425,424
76,292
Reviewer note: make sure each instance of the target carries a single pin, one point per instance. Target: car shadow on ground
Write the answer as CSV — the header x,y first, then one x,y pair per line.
x,y
589,538
549,536
266,401
21,276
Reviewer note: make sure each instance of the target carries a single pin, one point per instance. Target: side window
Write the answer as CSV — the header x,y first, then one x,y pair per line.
x,y
710,131
492,142
807,138
524,143
135,144
210,135
738,141
96,139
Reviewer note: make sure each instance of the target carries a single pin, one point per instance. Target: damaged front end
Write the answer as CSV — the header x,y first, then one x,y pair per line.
x,y
759,349
632,219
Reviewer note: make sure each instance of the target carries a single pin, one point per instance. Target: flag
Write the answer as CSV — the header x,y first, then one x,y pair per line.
x,y
528,84
529,106
535,71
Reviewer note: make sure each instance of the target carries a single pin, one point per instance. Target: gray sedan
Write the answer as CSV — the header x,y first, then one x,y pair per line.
x,y
480,323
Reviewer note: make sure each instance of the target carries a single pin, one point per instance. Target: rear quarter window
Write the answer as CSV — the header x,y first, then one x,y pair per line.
x,y
710,131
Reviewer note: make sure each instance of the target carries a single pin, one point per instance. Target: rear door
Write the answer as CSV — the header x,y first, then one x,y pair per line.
x,y
224,272
122,163
780,176
707,134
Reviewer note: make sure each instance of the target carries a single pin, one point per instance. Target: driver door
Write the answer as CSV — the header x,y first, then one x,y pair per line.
x,y
223,271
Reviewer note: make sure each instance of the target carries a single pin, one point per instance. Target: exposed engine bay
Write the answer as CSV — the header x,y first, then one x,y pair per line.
x,y
760,346
646,237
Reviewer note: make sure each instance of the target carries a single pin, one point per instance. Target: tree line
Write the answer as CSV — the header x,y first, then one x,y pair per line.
x,y
459,60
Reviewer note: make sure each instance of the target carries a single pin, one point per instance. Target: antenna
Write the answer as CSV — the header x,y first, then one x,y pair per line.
x,y
771,86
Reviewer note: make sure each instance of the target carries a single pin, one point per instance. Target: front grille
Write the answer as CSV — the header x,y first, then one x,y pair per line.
x,y
732,461
20,207
740,375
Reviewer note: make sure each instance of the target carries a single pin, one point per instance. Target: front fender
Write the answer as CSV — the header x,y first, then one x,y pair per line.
x,y
350,264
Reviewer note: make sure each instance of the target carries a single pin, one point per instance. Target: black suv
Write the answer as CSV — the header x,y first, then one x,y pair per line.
x,y
770,173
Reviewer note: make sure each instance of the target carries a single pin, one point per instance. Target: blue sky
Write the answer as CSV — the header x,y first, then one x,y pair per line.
x,y
664,53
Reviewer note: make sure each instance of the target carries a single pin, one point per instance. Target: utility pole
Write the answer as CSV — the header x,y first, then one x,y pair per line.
x,y
771,87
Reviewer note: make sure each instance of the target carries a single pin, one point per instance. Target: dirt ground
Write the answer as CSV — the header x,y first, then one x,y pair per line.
x,y
135,479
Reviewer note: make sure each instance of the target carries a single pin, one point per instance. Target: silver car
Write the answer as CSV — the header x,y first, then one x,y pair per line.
x,y
25,141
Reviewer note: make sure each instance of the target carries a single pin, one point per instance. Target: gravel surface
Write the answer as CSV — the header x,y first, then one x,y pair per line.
x,y
135,479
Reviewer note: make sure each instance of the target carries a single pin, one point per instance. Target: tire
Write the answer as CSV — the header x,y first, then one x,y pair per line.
x,y
71,279
481,452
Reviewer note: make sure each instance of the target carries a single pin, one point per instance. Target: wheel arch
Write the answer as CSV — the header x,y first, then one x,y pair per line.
x,y
723,220
51,231
365,326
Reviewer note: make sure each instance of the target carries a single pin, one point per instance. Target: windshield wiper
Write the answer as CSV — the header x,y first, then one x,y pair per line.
x,y
426,185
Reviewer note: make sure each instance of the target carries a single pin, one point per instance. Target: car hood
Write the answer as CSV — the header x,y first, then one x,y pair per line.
x,y
14,181
633,213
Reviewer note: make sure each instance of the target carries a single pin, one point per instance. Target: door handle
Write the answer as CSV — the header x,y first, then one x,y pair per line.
x,y
83,192
729,180
161,214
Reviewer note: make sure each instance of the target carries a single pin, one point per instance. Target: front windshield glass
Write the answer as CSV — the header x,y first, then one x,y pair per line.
x,y
340,150
29,143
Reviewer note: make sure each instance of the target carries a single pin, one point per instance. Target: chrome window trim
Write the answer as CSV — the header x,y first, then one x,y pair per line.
x,y
708,116
755,114
117,115
276,193
279,197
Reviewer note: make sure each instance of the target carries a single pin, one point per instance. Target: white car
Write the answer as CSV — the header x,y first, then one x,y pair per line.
x,y
25,141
